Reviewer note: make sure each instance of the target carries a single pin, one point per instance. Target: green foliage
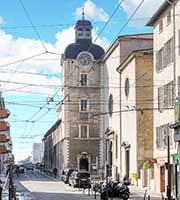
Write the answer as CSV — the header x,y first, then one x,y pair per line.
x,y
147,165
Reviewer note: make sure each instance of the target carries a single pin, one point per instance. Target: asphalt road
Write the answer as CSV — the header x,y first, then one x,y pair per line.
x,y
36,186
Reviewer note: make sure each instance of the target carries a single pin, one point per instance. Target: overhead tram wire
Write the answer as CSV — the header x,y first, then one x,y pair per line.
x,y
26,72
35,30
8,81
108,21
129,19
22,60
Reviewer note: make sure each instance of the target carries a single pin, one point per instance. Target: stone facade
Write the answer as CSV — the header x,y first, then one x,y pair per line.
x,y
82,130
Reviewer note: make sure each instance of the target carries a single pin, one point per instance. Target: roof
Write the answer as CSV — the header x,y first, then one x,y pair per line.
x,y
74,49
53,128
158,13
144,36
132,55
83,23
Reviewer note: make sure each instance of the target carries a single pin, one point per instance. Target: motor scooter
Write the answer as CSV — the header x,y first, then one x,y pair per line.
x,y
115,189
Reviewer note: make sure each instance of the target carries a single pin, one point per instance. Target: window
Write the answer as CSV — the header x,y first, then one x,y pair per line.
x,y
165,55
87,33
166,96
83,105
80,32
110,104
161,25
83,80
84,131
169,17
161,136
126,87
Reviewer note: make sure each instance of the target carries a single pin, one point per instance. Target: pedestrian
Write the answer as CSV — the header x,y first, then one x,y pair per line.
x,y
55,172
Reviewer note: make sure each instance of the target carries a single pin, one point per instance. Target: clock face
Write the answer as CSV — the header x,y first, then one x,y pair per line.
x,y
84,59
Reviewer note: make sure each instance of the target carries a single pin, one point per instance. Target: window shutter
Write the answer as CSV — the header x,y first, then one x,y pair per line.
x,y
157,138
157,61
165,132
171,50
165,55
178,87
160,98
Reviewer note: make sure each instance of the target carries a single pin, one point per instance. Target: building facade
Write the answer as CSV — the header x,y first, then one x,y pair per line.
x,y
166,23
136,76
36,152
115,55
5,139
52,148
82,129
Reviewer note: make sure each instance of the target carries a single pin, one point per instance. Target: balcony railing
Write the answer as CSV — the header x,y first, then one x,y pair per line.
x,y
4,125
4,138
4,113
4,149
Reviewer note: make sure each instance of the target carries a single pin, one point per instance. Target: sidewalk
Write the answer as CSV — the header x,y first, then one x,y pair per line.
x,y
138,193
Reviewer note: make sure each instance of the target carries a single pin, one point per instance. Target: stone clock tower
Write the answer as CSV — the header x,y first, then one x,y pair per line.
x,y
82,133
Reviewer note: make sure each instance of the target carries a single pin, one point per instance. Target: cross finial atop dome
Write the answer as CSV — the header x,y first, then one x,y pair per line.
x,y
83,17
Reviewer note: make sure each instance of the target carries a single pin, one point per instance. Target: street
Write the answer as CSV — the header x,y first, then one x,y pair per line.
x,y
33,185
36,186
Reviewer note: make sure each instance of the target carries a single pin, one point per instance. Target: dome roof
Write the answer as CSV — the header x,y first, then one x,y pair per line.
x,y
83,23
74,49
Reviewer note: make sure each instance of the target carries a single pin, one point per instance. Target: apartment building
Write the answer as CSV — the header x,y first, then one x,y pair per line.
x,y
166,24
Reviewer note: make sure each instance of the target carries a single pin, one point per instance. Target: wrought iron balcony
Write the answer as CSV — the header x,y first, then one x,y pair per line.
x,y
4,113
4,138
4,149
4,125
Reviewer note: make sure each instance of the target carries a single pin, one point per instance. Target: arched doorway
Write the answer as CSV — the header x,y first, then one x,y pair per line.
x,y
84,162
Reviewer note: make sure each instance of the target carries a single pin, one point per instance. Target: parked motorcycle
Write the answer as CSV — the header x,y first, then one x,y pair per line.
x,y
116,189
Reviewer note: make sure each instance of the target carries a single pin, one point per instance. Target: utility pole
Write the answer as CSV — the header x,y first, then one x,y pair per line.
x,y
107,163
10,183
168,167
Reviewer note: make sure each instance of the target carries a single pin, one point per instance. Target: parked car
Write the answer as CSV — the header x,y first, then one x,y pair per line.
x,y
66,174
29,166
80,179
19,168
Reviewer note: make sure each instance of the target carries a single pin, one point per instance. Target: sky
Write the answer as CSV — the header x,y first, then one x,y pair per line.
x,y
33,36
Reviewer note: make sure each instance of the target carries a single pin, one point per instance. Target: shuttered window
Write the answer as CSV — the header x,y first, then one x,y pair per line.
x,y
161,136
165,55
166,96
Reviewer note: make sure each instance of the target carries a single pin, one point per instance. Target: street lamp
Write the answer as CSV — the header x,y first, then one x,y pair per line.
x,y
168,167
106,162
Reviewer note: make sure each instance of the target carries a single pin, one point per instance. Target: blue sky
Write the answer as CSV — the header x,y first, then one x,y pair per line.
x,y
28,84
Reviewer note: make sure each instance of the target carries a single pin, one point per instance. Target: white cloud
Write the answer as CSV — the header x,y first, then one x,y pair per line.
x,y
12,49
92,12
147,9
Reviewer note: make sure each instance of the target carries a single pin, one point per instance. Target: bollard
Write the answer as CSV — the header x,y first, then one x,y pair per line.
x,y
149,197
144,198
88,190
